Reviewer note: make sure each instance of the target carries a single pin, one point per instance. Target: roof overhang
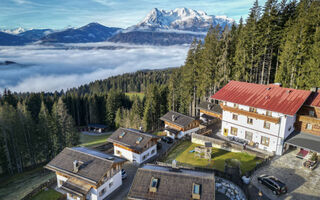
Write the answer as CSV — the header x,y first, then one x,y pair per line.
x,y
304,140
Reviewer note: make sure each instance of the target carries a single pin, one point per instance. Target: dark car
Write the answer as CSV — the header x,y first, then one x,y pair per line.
x,y
159,145
275,185
167,139
123,174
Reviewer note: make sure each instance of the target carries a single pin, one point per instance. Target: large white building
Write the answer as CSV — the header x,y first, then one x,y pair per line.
x,y
263,115
134,145
86,174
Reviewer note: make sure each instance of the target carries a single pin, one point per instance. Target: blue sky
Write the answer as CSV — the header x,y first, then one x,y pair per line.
x,y
59,14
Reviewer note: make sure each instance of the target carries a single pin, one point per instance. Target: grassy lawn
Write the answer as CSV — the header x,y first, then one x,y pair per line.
x,y
93,140
159,133
19,185
50,194
131,94
182,154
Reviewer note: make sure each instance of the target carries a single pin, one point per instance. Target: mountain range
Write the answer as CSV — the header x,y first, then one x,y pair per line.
x,y
159,27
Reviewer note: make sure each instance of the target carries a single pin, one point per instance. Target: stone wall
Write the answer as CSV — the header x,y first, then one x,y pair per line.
x,y
231,190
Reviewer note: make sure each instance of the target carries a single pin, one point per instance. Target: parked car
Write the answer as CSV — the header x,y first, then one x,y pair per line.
x,y
275,185
167,139
123,174
159,145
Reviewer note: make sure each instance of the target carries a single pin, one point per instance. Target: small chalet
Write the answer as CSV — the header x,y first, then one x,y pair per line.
x,y
263,115
209,111
178,125
86,174
157,182
100,128
134,145
307,127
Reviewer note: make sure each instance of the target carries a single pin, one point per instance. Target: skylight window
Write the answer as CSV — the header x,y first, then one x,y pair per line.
x,y
196,190
139,140
122,134
154,184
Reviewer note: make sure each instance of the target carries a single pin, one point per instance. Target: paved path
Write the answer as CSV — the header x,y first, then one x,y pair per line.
x,y
302,183
122,192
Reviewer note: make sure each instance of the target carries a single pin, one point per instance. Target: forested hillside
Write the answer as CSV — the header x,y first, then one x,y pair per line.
x,y
278,42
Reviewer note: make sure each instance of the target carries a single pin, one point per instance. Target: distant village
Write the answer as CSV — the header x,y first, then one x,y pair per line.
x,y
280,126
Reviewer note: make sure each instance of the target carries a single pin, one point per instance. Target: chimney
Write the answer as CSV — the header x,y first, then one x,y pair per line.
x,y
173,118
76,166
174,164
315,89
277,85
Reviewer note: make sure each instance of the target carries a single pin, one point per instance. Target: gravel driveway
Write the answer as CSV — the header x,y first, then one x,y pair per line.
x,y
302,183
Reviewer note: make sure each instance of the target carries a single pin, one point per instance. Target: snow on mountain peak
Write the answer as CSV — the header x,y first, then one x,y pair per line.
x,y
15,31
181,19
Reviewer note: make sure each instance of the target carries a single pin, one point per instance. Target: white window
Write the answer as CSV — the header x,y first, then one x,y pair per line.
x,y
249,121
311,113
234,131
102,191
251,109
266,125
235,117
269,113
111,183
309,126
265,141
235,105
248,136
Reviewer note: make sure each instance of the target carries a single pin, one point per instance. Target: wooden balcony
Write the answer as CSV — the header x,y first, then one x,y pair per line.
x,y
275,120
308,119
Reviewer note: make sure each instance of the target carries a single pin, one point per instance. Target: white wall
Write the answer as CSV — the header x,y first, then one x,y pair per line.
x,y
277,132
124,153
61,178
117,182
131,156
181,134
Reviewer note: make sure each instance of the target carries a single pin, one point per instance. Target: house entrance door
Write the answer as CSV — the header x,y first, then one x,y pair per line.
x,y
225,132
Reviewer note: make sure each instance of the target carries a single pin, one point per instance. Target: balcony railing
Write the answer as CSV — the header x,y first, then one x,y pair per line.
x,y
275,120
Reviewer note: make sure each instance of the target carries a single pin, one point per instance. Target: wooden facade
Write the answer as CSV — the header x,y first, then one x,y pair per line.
x,y
150,144
275,120
308,120
212,114
192,125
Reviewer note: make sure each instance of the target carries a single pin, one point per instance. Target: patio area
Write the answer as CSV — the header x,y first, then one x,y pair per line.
x,y
302,183
185,155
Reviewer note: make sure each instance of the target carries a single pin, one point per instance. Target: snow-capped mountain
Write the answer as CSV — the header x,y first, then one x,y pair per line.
x,y
15,31
179,26
181,19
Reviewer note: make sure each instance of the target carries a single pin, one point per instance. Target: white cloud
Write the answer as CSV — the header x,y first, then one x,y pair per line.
x,y
105,2
21,1
48,68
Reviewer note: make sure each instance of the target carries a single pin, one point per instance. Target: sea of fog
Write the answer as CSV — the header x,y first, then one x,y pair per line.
x,y
55,67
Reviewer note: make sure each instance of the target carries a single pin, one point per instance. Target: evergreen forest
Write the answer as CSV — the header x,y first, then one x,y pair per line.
x,y
278,42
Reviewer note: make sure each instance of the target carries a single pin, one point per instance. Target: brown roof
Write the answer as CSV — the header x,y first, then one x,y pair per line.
x,y
172,184
215,108
130,138
95,164
179,119
269,97
314,99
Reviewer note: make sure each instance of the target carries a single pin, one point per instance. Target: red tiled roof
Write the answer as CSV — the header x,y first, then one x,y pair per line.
x,y
269,97
314,99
